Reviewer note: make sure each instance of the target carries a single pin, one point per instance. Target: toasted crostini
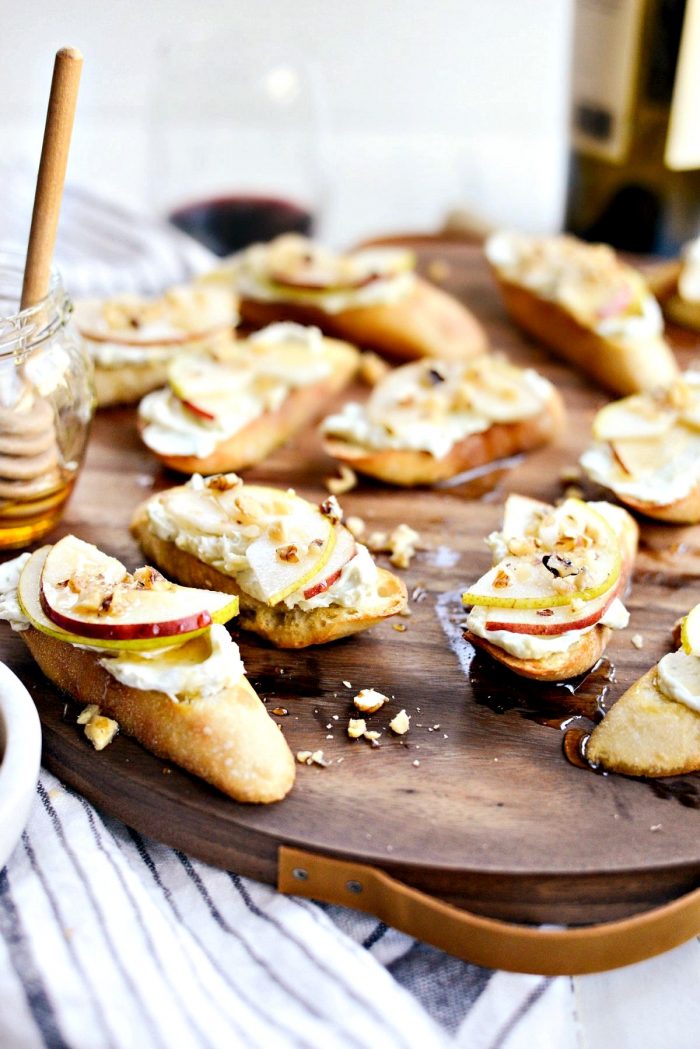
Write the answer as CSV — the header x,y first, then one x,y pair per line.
x,y
226,410
428,421
547,606
153,656
371,298
676,284
646,451
132,339
300,576
586,305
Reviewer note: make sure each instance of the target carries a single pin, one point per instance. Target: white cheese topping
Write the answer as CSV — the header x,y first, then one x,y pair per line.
x,y
9,581
116,354
356,586
198,669
172,429
672,482
539,646
678,677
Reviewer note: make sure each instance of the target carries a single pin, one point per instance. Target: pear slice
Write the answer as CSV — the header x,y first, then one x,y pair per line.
x,y
643,456
280,571
633,417
690,632
579,538
499,391
29,596
208,388
85,592
522,515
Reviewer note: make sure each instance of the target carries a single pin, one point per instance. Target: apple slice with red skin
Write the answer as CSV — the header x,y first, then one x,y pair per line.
x,y
557,621
318,284
343,551
76,573
201,412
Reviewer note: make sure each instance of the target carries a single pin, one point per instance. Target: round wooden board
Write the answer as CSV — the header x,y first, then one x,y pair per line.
x,y
475,805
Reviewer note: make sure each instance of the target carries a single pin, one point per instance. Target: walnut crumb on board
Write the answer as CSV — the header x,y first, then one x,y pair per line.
x,y
371,735
368,700
356,526
356,727
312,757
637,640
401,544
342,484
99,729
401,723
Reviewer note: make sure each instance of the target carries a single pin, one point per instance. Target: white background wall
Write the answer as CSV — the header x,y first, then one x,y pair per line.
x,y
432,103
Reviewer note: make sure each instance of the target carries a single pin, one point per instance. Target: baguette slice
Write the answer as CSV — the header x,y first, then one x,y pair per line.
x,y
128,383
556,667
619,366
647,734
230,742
683,511
407,467
257,439
284,627
425,323
585,653
663,281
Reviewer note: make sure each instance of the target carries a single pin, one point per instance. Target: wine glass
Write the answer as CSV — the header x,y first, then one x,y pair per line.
x,y
235,142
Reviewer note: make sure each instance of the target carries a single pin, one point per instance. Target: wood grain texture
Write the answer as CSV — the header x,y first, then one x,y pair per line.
x,y
493,817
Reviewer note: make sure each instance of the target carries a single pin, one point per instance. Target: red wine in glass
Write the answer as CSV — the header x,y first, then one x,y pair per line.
x,y
227,224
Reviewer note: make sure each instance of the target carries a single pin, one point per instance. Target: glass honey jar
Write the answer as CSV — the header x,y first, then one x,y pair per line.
x,y
46,405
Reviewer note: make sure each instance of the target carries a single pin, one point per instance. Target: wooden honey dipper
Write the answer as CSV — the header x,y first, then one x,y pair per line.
x,y
29,453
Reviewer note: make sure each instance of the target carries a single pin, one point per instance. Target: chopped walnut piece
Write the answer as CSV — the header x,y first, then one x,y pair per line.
x,y
356,727
86,713
303,756
372,736
345,483
368,700
289,554
356,526
308,757
501,580
331,509
400,628
372,368
637,640
223,482
99,730
401,723
400,544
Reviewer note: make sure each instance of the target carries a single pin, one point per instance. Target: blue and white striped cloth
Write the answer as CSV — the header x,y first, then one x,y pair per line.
x,y
111,941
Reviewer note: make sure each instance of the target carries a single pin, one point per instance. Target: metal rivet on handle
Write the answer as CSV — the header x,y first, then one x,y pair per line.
x,y
300,874
353,886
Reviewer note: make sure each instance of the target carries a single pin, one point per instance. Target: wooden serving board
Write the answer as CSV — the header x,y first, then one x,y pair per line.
x,y
477,804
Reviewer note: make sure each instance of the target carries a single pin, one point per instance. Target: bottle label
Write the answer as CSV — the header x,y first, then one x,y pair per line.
x,y
683,142
607,45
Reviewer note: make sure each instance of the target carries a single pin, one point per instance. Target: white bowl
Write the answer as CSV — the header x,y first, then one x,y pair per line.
x,y
20,755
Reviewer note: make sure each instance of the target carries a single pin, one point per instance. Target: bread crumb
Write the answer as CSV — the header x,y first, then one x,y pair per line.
x,y
345,483
401,723
372,368
637,640
356,727
101,731
368,700
356,526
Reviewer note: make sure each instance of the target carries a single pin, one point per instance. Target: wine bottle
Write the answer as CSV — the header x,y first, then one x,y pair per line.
x,y
634,172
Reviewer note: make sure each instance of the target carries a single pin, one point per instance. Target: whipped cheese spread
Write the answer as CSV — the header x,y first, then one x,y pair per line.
x,y
588,280
275,272
431,405
678,677
672,482
233,388
539,646
198,669
10,609
689,279
224,548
